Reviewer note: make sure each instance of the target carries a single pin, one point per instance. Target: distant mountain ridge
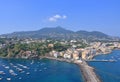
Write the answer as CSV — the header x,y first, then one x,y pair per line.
x,y
59,33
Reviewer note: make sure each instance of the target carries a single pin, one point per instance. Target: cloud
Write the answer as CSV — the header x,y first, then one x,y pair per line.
x,y
64,16
57,17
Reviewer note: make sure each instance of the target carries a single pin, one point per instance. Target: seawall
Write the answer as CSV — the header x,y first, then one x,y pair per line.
x,y
87,71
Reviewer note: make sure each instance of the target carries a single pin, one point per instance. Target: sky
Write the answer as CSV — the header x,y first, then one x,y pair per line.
x,y
89,15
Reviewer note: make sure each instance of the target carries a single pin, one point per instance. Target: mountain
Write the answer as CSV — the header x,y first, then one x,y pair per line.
x,y
93,35
58,30
59,33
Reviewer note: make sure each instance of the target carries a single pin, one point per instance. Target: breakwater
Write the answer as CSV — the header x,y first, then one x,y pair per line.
x,y
108,71
87,71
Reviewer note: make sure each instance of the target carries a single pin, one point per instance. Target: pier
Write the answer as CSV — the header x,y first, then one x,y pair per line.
x,y
88,72
101,60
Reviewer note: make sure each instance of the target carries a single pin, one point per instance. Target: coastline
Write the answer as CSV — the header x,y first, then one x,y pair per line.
x,y
87,71
105,53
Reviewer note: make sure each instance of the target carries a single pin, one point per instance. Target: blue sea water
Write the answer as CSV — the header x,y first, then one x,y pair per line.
x,y
40,71
108,71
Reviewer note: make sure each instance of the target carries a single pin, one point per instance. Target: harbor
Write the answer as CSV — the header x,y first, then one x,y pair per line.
x,y
18,70
87,71
15,70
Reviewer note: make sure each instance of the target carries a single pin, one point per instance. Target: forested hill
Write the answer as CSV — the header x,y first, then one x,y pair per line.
x,y
59,33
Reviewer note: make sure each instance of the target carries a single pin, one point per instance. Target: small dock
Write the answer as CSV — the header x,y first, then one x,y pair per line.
x,y
101,60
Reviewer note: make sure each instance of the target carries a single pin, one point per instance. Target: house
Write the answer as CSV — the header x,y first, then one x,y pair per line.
x,y
75,55
51,45
61,54
55,55
85,54
67,56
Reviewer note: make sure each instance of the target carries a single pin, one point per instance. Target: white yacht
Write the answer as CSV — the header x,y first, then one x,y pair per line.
x,y
7,67
8,79
1,78
12,72
2,72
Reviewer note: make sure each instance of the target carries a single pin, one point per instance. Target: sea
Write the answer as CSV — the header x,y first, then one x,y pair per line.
x,y
108,71
43,70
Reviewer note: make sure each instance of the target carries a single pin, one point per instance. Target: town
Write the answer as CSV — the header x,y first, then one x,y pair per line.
x,y
71,49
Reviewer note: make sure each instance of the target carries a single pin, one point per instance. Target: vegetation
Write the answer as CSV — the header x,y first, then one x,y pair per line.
x,y
59,47
12,50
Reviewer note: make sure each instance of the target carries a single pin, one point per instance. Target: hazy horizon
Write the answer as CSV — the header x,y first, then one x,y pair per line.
x,y
88,15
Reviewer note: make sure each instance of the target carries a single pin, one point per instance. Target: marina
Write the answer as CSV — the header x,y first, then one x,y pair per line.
x,y
87,71
15,70
11,70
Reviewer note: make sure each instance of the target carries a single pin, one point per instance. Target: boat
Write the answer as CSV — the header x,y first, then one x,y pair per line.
x,y
15,66
19,69
27,73
20,78
7,67
1,78
2,72
8,79
25,67
12,72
